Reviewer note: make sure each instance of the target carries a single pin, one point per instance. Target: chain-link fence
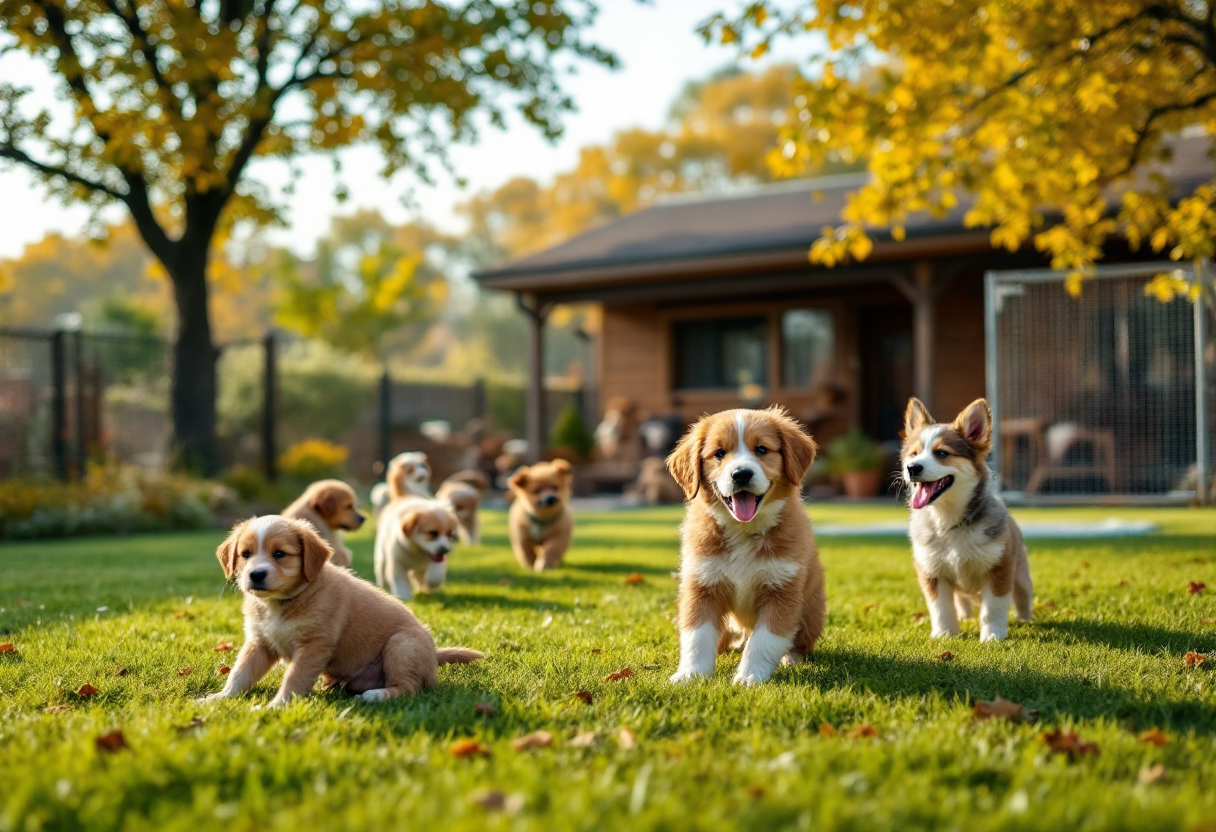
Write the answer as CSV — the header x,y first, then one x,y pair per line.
x,y
1102,393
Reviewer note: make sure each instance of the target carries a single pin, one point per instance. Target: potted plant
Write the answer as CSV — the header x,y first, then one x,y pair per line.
x,y
858,461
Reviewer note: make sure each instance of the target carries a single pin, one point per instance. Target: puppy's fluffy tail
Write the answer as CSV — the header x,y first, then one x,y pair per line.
x,y
458,655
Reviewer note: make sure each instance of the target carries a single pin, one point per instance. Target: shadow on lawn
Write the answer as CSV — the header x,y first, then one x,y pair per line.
x,y
457,599
1125,636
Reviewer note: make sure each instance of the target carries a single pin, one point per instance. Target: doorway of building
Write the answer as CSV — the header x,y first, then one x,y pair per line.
x,y
886,368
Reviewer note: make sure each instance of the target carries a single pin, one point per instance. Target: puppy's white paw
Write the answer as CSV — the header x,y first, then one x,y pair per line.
x,y
992,635
747,680
212,697
792,659
376,695
685,675
943,633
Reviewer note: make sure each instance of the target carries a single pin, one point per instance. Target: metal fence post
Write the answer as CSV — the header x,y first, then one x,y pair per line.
x,y
269,408
1202,451
59,404
992,385
479,399
386,416
81,455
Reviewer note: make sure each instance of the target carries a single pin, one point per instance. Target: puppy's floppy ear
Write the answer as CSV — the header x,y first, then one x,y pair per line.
x,y
797,450
563,467
326,501
519,479
975,424
314,550
226,553
408,522
685,461
916,417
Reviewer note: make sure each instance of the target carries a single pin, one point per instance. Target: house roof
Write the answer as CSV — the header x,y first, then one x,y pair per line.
x,y
771,226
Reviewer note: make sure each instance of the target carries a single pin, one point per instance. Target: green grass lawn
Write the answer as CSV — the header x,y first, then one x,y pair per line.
x,y
1105,658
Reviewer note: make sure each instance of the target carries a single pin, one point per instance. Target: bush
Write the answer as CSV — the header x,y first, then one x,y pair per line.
x,y
569,431
313,459
854,452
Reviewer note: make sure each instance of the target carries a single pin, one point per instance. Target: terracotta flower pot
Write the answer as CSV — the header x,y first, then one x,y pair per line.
x,y
862,483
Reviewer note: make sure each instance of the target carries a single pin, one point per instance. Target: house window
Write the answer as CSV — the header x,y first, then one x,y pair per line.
x,y
808,346
721,352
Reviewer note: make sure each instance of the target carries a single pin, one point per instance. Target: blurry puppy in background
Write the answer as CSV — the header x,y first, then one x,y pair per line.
x,y
965,545
463,490
749,568
331,506
321,619
540,522
414,537
408,475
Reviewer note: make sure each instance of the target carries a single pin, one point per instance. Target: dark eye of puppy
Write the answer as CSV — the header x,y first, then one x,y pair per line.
x,y
761,450
246,554
279,554
719,454
432,535
940,454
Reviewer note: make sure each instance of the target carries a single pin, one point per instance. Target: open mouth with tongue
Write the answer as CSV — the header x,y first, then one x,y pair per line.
x,y
439,558
924,493
743,505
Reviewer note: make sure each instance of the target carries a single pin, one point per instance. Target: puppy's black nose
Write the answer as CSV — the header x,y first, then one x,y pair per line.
x,y
915,469
549,501
741,476
359,518
257,576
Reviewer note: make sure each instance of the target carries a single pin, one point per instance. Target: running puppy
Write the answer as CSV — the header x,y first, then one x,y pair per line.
x,y
965,545
749,568
414,537
408,475
540,521
331,506
463,490
321,620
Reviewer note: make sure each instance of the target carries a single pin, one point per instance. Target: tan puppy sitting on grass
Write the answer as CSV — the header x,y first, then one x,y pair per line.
x,y
540,522
331,506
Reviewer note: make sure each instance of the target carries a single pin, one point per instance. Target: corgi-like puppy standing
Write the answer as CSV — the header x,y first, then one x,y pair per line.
x,y
966,547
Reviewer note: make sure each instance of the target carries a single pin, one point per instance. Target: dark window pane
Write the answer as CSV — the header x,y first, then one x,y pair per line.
x,y
721,352
808,347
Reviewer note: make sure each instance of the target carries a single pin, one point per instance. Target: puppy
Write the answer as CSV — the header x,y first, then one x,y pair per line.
x,y
965,545
408,475
540,522
749,568
330,505
463,491
413,539
321,620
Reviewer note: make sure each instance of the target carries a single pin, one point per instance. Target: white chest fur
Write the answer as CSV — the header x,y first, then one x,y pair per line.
x,y
962,556
278,633
739,566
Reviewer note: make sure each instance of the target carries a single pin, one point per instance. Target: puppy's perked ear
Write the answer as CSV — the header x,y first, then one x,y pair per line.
x,y
685,461
227,552
519,480
797,451
314,550
916,417
563,467
975,424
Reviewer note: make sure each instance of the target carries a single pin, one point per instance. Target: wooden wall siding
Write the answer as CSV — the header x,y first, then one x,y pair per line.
x,y
959,345
632,357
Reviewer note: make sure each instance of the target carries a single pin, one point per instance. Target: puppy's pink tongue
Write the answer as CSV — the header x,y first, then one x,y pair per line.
x,y
743,506
921,493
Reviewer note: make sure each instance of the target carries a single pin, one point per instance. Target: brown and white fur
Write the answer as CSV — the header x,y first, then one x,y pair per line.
x,y
540,522
414,537
965,545
408,475
463,491
749,567
321,620
331,506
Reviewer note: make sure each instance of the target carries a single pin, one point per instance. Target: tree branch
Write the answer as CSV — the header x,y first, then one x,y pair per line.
x,y
136,29
8,151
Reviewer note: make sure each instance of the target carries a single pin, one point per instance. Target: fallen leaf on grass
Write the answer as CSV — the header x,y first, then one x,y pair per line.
x,y
537,739
626,739
866,730
635,578
122,671
1125,582
185,671
111,742
1046,605
826,730
196,722
946,657
1193,658
1084,564
1207,619
623,673
1152,774
57,709
182,614
1195,587
485,709
1067,742
1002,708
869,606
1154,737
495,801
222,647
757,791
469,748
224,670
918,616
8,647
87,690
584,696
584,739
596,650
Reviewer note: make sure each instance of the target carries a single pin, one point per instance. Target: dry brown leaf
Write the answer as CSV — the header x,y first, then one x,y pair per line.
x,y
181,614
626,739
111,742
223,647
826,730
946,657
1067,742
757,791
584,696
1084,564
623,673
196,722
86,690
1207,619
1195,587
185,671
635,578
493,800
1002,708
537,739
122,671
584,739
1125,582
1152,774
1155,737
1193,658
57,709
866,730
485,709
224,670
869,606
596,650
505,581
8,647
918,616
469,748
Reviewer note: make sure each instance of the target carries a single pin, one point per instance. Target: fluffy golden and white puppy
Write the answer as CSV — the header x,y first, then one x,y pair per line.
x,y
965,545
331,506
540,522
322,620
414,537
408,475
749,568
463,491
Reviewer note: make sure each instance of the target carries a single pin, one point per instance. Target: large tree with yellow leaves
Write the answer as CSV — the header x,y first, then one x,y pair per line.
x,y
168,102
1051,114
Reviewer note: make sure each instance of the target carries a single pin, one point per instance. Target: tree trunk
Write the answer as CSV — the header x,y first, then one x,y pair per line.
x,y
194,445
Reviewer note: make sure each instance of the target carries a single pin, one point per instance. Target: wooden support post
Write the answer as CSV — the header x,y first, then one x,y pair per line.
x,y
270,386
922,292
535,413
